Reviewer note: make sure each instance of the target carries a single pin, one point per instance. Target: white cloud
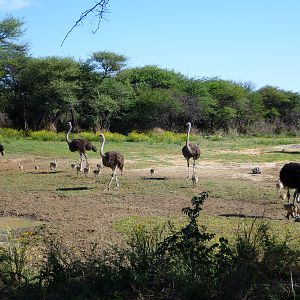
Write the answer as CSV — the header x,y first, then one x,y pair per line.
x,y
9,5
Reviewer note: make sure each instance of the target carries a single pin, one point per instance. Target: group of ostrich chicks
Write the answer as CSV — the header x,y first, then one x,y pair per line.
x,y
289,176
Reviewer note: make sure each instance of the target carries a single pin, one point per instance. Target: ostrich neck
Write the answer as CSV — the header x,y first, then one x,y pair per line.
x,y
188,139
101,147
67,136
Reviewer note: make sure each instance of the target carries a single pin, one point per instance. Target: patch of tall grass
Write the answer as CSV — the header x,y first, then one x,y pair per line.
x,y
44,135
154,136
165,262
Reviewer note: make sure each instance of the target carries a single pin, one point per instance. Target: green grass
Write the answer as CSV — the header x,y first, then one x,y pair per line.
x,y
140,155
228,227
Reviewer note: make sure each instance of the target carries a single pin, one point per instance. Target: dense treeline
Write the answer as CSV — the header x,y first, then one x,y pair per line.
x,y
100,92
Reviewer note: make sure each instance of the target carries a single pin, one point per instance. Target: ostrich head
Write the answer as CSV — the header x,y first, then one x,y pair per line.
x,y
188,127
69,125
102,137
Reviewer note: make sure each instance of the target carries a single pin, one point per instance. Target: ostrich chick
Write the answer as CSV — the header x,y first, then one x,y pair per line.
x,y
152,170
290,210
86,170
53,165
194,180
79,168
97,172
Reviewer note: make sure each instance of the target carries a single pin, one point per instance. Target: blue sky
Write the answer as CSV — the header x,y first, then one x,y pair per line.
x,y
239,40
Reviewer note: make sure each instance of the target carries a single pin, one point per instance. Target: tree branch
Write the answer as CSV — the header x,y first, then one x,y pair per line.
x,y
99,8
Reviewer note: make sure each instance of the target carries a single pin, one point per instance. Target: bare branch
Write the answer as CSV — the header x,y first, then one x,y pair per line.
x,y
99,8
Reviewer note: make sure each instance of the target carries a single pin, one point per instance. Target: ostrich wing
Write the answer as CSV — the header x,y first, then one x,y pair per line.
x,y
81,145
290,175
112,159
192,151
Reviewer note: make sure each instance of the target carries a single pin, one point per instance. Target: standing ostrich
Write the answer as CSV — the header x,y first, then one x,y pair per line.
x,y
80,145
2,150
290,178
190,150
111,159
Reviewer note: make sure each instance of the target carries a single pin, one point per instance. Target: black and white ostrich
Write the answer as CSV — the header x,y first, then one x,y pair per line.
x,y
80,145
289,176
2,150
190,150
111,159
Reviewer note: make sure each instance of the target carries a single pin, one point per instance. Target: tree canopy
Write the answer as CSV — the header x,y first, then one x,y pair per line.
x,y
38,93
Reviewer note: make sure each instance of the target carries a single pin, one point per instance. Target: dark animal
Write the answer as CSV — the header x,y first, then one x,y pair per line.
x,y
190,151
80,145
2,150
289,175
111,159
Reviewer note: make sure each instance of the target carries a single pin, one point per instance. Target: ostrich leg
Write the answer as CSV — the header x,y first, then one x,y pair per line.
x,y
188,165
194,167
112,177
86,161
117,181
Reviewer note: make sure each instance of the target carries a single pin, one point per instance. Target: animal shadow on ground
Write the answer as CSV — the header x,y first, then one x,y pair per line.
x,y
75,188
284,152
155,178
246,216
45,172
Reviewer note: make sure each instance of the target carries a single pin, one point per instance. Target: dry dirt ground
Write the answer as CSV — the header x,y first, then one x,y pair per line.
x,y
89,213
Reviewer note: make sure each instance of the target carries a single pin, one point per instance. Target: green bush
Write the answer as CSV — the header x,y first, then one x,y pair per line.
x,y
11,133
44,135
161,262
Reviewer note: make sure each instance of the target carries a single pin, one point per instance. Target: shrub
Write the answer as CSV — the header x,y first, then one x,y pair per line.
x,y
44,135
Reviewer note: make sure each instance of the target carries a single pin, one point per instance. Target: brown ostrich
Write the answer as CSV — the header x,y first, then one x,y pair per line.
x,y
190,151
2,150
80,145
111,159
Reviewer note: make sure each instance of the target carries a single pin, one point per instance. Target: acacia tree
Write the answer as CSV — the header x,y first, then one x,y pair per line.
x,y
13,57
107,63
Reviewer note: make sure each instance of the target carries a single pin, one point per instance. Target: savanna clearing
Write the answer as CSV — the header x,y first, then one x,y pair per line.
x,y
78,210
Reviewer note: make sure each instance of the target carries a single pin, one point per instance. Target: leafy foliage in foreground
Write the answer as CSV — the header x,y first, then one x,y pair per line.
x,y
162,263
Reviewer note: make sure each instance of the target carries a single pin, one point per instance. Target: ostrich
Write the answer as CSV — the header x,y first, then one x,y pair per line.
x,y
21,167
78,169
80,145
194,180
53,165
97,172
111,159
2,150
190,151
289,176
152,170
86,170
291,210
